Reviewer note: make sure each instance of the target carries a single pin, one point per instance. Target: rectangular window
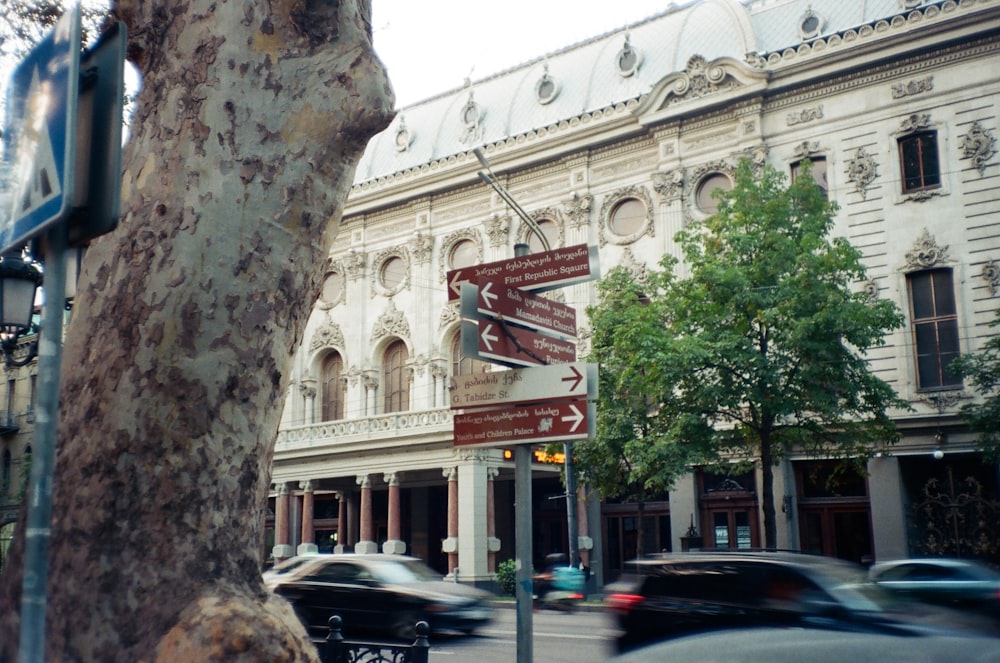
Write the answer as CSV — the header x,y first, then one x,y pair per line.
x,y
935,328
818,171
919,158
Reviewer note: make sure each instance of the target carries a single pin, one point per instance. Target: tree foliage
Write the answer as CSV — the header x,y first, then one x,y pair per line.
x,y
758,348
983,370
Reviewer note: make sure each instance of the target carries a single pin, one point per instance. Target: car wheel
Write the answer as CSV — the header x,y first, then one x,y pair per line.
x,y
404,625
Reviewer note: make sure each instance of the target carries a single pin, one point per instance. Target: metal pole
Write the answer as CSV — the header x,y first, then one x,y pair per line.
x,y
39,517
574,537
522,536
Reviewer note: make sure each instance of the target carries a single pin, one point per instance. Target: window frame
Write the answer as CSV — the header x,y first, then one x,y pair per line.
x,y
924,163
333,401
938,321
396,384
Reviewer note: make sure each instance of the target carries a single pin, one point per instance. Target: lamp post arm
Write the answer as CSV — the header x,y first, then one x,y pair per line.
x,y
490,178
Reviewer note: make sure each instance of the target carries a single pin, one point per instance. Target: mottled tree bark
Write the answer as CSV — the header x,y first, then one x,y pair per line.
x,y
250,123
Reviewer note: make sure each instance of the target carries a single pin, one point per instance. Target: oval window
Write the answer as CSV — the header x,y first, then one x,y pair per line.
x,y
628,217
392,273
704,199
333,288
463,254
551,232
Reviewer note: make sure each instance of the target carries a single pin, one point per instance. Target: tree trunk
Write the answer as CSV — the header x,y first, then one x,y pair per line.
x,y
767,490
250,123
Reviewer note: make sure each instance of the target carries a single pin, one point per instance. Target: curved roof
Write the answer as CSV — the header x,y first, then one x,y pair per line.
x,y
599,73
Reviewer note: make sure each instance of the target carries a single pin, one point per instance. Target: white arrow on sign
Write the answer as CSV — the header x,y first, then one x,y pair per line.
x,y
485,293
487,337
455,285
577,418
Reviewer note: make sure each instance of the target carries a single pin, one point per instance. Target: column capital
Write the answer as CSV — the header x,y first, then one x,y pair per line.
x,y
282,488
492,473
364,480
306,485
450,473
391,478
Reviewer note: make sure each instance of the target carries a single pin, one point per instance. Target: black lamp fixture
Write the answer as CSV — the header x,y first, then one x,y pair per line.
x,y
19,280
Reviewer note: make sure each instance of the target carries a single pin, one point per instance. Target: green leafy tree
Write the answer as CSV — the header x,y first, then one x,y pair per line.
x,y
761,346
983,370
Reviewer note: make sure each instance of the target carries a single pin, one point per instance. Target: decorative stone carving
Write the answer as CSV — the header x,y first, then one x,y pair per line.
x,y
870,288
404,137
577,209
378,260
369,379
545,214
805,115
925,253
977,145
862,170
421,248
916,86
391,323
472,122
497,229
670,186
806,149
991,273
449,314
329,335
914,123
438,369
700,80
638,270
354,264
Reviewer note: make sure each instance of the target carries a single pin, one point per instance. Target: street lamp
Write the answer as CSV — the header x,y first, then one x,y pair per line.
x,y
18,282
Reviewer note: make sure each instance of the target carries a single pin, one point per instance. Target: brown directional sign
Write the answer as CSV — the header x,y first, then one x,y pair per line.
x,y
536,271
490,340
528,424
524,385
493,299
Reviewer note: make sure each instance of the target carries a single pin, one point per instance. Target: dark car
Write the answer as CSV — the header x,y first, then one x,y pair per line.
x,y
954,582
376,593
670,595
818,645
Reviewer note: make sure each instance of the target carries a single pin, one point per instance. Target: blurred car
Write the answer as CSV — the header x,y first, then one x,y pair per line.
x,y
376,593
818,645
953,582
671,595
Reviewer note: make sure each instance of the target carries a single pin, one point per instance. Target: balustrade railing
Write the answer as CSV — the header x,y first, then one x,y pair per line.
x,y
338,650
346,431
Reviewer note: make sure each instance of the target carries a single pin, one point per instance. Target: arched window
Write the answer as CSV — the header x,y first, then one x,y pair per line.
x,y
461,365
551,232
333,388
395,384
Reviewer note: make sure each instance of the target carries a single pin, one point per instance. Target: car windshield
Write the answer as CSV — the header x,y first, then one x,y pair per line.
x,y
849,586
404,572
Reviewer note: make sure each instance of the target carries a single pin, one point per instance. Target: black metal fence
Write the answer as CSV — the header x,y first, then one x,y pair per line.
x,y
338,650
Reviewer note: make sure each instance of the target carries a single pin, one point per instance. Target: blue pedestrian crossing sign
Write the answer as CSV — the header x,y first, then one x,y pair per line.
x,y
39,136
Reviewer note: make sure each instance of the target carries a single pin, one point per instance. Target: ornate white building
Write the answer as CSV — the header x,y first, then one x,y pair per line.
x,y
617,142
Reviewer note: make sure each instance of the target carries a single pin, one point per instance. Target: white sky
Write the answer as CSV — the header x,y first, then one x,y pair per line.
x,y
430,46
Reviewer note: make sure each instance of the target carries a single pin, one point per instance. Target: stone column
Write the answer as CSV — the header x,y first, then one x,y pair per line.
x,y
394,545
308,389
281,550
367,542
450,545
492,542
341,523
473,537
370,381
308,545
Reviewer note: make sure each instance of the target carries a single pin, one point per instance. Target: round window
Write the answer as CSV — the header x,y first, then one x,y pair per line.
x,y
463,254
704,199
551,232
392,273
333,288
628,217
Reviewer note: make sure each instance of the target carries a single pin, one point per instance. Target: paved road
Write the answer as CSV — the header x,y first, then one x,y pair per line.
x,y
579,637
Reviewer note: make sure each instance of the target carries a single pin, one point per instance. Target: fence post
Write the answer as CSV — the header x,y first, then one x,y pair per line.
x,y
333,649
421,647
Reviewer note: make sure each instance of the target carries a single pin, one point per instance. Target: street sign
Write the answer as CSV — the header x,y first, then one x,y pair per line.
x,y
526,424
525,385
507,345
39,142
536,271
492,298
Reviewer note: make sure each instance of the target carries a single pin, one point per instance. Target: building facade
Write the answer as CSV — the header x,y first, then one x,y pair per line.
x,y
617,142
